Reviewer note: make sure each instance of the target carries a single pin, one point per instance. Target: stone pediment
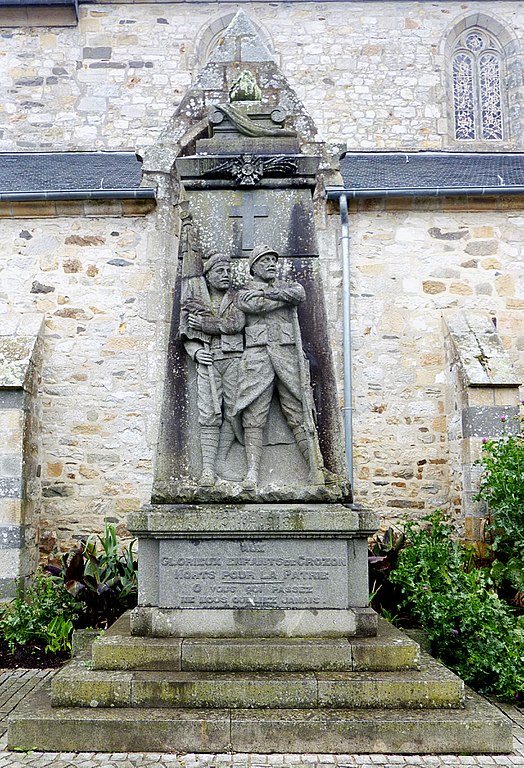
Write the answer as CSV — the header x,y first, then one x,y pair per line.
x,y
205,111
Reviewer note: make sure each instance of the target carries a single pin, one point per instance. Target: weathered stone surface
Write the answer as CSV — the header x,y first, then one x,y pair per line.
x,y
433,686
479,728
480,350
262,573
36,725
248,519
162,622
21,358
271,654
469,731
490,420
77,685
124,652
389,649
17,349
204,689
390,264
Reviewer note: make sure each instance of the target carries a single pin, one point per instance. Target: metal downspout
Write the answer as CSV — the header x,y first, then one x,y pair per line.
x,y
346,337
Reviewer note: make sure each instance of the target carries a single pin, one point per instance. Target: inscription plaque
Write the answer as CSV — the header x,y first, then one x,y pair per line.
x,y
247,573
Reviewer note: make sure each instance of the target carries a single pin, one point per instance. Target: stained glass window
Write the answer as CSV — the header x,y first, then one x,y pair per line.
x,y
477,99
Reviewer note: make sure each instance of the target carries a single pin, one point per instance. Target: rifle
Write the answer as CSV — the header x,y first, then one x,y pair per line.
x,y
315,457
194,287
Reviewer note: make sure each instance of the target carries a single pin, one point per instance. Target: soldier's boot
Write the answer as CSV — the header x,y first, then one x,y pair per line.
x,y
316,475
227,438
253,442
209,437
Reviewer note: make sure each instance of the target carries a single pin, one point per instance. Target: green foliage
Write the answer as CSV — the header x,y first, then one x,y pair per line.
x,y
383,553
502,488
471,629
41,615
102,576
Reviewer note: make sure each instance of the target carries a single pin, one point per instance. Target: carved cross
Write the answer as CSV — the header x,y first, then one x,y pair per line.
x,y
248,212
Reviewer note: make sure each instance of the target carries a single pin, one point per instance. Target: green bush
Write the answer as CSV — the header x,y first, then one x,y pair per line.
x,y
471,629
102,575
502,488
42,616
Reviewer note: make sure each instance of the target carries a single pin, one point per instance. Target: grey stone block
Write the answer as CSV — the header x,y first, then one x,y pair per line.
x,y
478,346
490,420
250,654
78,686
159,622
10,487
389,649
11,399
82,640
261,573
8,589
477,729
12,536
432,687
37,726
201,689
124,652
273,519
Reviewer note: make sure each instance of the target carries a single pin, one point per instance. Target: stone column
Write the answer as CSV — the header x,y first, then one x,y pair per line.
x,y
484,403
21,345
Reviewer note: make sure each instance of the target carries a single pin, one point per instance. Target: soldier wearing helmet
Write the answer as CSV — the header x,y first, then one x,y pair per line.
x,y
273,358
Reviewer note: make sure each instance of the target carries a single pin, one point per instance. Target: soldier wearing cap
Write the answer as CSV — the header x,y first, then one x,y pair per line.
x,y
216,346
271,359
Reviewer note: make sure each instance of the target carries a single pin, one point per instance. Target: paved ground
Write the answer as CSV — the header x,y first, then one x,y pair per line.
x,y
14,685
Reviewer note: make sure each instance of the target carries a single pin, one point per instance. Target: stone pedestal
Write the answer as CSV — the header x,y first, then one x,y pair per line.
x,y
270,570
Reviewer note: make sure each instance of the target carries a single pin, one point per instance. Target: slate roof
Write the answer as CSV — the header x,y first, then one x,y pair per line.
x,y
381,174
81,174
26,3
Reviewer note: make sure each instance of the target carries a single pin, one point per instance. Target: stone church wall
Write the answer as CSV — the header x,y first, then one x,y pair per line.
x,y
411,262
372,75
97,282
105,289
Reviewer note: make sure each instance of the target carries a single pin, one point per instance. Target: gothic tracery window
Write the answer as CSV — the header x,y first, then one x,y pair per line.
x,y
477,87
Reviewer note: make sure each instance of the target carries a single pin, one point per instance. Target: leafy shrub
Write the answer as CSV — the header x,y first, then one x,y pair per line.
x,y
471,629
502,488
383,552
42,615
102,576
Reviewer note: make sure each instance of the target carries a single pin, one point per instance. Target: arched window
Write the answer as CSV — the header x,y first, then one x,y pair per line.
x,y
477,75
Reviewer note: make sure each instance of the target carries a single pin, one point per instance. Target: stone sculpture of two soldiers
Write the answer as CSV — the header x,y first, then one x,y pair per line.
x,y
246,344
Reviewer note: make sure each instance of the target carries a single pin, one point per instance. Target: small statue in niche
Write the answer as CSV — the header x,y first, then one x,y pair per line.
x,y
273,357
211,327
245,88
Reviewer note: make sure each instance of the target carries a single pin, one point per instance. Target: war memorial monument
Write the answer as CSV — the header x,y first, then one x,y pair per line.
x,y
253,631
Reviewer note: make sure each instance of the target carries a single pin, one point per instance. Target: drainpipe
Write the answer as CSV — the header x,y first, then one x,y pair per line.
x,y
138,193
334,193
346,337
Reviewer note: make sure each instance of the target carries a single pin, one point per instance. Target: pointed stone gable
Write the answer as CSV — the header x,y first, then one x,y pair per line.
x,y
240,42
240,48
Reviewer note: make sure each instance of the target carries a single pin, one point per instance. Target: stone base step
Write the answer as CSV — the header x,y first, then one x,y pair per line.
x,y
476,729
432,686
389,650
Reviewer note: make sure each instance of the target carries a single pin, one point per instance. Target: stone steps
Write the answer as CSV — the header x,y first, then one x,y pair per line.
x,y
475,729
333,695
432,686
388,650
